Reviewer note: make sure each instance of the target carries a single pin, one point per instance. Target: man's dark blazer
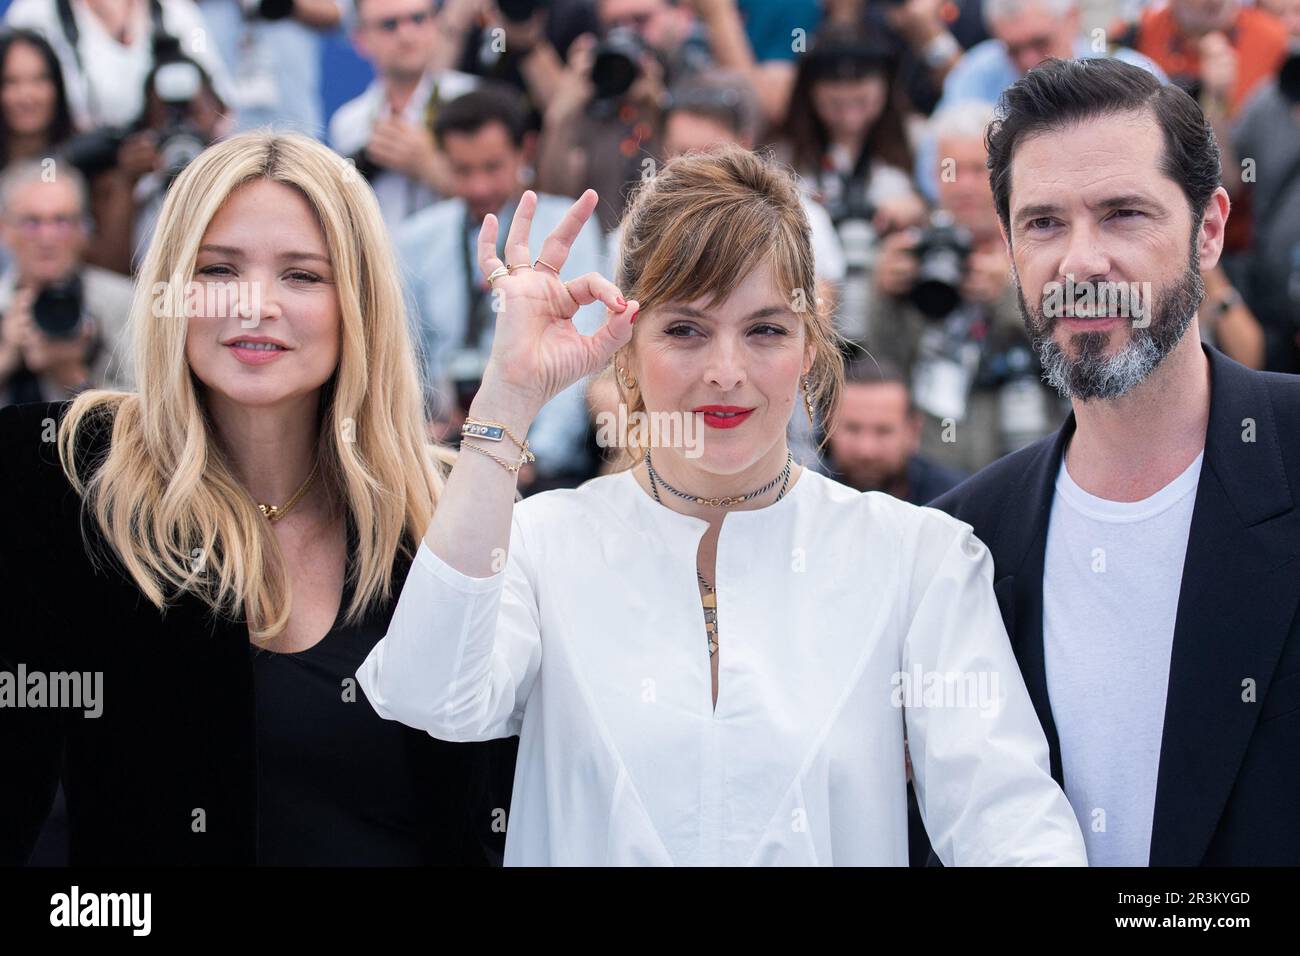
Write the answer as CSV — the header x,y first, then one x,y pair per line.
x,y
1228,785
177,731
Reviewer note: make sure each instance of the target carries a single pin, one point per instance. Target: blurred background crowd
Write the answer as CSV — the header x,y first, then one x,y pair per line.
x,y
452,108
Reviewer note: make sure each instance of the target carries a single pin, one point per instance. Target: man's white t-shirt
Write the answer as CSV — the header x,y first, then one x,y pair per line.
x,y
1112,575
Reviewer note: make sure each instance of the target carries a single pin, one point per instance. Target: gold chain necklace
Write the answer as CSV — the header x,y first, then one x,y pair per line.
x,y
275,512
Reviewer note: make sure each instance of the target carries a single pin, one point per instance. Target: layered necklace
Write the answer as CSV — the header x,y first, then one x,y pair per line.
x,y
709,599
275,512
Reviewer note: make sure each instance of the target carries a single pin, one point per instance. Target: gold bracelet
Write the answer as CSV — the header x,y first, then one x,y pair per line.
x,y
492,431
513,469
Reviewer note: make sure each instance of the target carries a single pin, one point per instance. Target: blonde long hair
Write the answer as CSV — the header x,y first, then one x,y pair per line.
x,y
165,496
697,228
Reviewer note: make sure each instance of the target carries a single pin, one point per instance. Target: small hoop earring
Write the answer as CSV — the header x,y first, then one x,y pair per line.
x,y
628,385
808,403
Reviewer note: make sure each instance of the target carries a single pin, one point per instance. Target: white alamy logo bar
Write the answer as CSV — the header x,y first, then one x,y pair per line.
x,y
102,909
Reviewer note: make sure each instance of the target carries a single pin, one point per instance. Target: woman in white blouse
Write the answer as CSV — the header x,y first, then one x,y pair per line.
x,y
656,729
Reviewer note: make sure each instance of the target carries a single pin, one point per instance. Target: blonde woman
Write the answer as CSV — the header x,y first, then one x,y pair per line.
x,y
214,555
713,656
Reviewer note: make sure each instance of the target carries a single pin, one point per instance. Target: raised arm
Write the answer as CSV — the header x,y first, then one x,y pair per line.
x,y
463,646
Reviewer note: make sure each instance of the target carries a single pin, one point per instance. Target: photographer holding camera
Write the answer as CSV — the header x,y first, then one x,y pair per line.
x,y
108,47
520,42
946,310
388,130
599,129
130,169
62,319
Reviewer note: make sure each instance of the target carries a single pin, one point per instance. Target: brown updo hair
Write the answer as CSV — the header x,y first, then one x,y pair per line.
x,y
698,228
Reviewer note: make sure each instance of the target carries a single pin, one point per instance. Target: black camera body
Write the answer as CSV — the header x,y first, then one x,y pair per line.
x,y
366,166
942,253
616,63
95,152
58,308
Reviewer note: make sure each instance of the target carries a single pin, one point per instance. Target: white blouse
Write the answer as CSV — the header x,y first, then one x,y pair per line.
x,y
835,609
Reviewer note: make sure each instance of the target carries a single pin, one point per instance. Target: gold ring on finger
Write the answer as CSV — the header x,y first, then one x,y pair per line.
x,y
497,273
518,265
538,262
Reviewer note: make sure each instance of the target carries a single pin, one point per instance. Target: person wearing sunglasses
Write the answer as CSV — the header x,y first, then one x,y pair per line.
x,y
388,130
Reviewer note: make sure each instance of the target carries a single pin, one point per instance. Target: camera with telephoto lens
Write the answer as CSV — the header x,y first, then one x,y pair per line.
x,y
852,214
941,253
616,62
176,84
57,309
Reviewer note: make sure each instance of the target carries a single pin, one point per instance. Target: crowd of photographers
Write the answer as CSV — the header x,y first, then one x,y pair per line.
x,y
879,105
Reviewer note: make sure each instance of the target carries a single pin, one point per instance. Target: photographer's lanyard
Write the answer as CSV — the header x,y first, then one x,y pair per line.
x,y
478,297
72,35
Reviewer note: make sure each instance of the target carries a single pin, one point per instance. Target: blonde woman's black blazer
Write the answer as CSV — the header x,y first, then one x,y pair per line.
x,y
177,731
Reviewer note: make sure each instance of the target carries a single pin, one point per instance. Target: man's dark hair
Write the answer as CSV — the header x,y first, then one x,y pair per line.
x,y
724,96
491,102
867,370
1059,93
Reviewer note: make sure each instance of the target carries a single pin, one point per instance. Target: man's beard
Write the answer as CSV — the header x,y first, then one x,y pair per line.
x,y
1093,374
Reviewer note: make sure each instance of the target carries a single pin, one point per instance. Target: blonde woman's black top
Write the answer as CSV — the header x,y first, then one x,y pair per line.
x,y
176,741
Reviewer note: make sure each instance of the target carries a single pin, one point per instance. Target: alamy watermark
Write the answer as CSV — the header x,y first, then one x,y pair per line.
x,y
75,908
76,690
663,429
211,300
973,690
1087,299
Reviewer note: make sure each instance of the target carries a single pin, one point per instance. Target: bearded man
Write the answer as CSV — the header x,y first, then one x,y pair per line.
x,y
1145,555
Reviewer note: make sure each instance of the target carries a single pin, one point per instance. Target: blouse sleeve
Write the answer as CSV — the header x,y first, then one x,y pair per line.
x,y
461,654
979,756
